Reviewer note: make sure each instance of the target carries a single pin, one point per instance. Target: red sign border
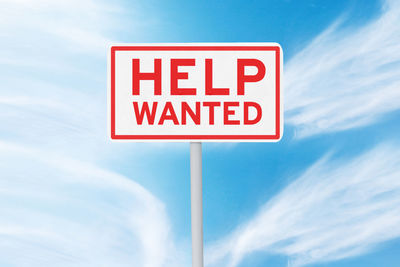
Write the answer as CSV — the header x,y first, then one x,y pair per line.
x,y
275,137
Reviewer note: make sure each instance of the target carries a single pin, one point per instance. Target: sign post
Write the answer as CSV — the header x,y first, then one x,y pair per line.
x,y
214,92
196,190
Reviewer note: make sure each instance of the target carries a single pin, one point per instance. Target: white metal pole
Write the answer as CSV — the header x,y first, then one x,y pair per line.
x,y
196,189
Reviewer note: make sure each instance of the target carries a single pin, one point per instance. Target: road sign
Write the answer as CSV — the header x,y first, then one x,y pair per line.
x,y
195,92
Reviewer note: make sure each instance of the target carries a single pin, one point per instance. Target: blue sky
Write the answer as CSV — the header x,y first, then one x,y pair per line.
x,y
326,195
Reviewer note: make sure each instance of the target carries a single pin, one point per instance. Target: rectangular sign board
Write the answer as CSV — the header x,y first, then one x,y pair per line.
x,y
195,92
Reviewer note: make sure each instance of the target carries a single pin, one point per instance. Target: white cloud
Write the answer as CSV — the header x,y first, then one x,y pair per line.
x,y
333,211
56,211
70,24
345,78
60,212
53,72
52,93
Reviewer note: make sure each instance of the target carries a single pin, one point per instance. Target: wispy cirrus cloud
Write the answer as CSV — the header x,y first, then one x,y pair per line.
x,y
62,212
336,209
58,207
28,26
346,78
53,71
52,92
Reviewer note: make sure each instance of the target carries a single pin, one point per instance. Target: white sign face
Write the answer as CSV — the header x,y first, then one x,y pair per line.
x,y
196,92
